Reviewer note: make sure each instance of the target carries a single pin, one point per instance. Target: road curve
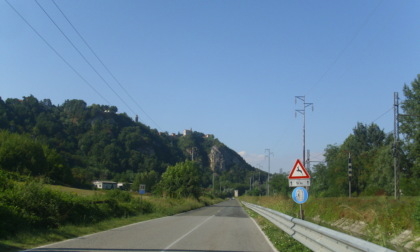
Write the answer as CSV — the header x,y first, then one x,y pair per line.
x,y
221,227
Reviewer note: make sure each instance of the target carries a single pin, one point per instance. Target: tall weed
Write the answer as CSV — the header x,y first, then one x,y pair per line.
x,y
416,214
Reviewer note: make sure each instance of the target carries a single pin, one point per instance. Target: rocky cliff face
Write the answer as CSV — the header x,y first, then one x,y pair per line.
x,y
222,158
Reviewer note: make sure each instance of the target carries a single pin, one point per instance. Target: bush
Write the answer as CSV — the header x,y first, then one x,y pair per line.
x,y
119,195
181,181
37,204
11,220
416,214
24,206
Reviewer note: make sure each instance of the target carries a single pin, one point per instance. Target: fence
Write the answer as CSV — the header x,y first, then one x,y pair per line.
x,y
315,237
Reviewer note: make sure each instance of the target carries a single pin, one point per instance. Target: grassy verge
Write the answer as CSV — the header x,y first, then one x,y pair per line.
x,y
30,239
80,192
34,238
281,240
33,214
380,220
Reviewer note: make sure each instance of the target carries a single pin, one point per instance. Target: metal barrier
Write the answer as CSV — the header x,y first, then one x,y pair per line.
x,y
315,237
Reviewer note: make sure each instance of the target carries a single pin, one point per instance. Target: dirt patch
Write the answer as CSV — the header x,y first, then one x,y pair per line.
x,y
405,240
351,226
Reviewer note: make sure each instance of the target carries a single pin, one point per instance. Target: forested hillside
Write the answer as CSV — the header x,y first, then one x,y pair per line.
x,y
74,144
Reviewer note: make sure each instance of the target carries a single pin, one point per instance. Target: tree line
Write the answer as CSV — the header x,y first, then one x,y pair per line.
x,y
73,144
372,153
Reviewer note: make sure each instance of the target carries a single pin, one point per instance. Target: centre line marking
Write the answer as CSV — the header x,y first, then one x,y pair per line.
x,y
182,237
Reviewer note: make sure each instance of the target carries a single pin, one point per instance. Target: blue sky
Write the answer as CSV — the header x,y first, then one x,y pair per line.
x,y
228,68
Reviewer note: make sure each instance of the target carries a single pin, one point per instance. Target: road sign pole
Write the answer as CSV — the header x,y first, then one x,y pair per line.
x,y
299,178
300,196
301,212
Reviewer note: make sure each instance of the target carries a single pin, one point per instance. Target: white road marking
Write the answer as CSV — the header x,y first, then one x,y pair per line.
x,y
186,234
189,232
265,236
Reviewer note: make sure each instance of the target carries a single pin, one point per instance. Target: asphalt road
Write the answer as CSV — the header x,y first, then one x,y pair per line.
x,y
221,227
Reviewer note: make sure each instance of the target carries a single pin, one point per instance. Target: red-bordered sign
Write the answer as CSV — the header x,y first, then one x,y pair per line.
x,y
299,171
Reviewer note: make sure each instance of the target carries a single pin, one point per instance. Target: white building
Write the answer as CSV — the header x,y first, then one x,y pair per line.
x,y
187,132
106,185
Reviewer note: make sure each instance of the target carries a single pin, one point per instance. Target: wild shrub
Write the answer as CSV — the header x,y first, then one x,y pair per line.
x,y
119,195
144,207
32,205
416,214
36,203
11,220
74,209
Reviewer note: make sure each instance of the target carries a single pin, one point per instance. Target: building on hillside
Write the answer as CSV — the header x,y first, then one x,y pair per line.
x,y
106,185
187,132
124,186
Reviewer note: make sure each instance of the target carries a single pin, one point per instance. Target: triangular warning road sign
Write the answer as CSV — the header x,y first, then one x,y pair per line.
x,y
299,171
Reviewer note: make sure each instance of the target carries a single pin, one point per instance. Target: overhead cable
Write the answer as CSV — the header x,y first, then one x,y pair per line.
x,y
56,52
84,58
340,54
102,63
386,112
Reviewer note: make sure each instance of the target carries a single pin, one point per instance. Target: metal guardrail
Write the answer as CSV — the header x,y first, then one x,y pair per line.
x,y
315,237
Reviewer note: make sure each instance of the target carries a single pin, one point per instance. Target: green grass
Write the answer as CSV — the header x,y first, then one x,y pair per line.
x,y
385,217
280,239
28,239
158,207
80,192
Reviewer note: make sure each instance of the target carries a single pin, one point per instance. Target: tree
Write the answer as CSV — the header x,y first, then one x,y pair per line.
x,y
336,173
410,127
320,181
381,180
181,180
19,153
56,168
150,179
279,184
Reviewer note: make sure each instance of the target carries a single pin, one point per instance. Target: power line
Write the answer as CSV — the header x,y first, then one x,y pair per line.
x,y
340,54
56,52
84,58
386,112
102,63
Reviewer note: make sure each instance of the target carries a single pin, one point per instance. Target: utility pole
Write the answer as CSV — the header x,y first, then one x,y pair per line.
x,y
308,161
350,173
213,182
192,152
269,153
395,147
303,112
253,180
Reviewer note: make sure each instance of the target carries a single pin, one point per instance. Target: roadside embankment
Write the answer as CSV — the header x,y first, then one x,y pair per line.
x,y
382,220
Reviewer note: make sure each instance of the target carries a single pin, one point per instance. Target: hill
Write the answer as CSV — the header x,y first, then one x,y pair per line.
x,y
74,144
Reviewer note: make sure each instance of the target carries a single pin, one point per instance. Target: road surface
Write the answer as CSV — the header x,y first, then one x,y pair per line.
x,y
221,227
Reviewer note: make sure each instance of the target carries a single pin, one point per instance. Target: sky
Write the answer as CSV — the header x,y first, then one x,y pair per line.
x,y
227,68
